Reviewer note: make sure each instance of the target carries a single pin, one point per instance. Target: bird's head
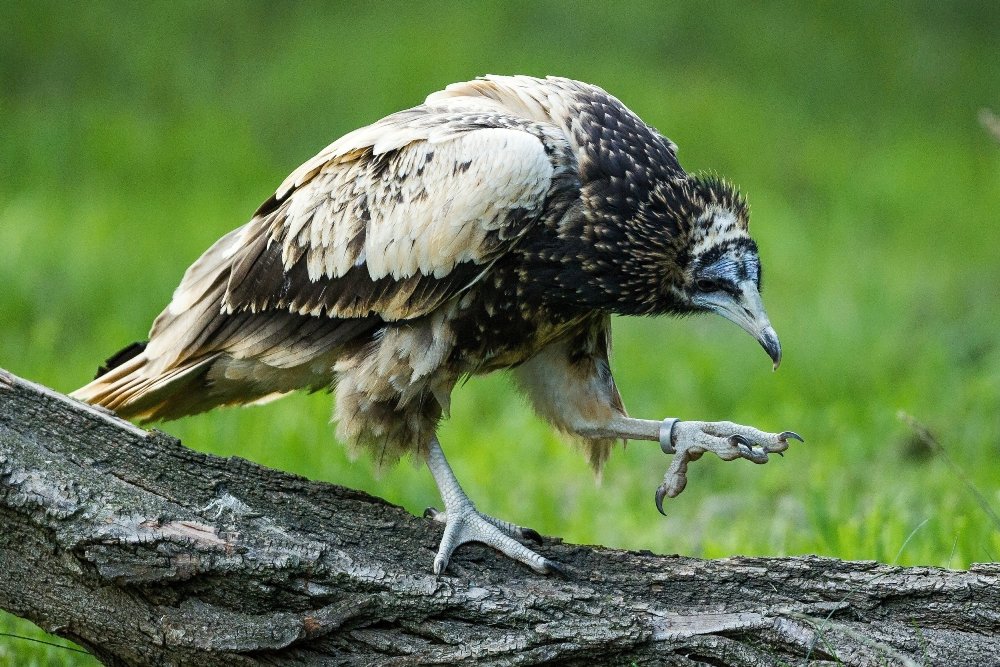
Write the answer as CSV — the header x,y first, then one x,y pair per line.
x,y
721,268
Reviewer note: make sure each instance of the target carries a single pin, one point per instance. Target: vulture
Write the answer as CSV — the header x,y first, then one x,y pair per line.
x,y
498,225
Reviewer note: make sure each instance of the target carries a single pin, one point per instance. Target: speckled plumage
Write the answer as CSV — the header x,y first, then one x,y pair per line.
x,y
497,225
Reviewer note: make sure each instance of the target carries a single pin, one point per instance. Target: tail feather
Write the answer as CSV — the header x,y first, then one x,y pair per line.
x,y
132,394
201,355
121,356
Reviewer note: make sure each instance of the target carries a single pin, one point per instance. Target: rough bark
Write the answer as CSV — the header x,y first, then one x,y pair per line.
x,y
146,552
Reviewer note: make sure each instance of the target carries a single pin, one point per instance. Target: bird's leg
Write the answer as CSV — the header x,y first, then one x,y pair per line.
x,y
688,440
464,523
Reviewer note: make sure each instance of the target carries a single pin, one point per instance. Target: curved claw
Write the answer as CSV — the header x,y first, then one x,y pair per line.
x,y
738,440
747,450
430,513
531,534
558,569
661,492
745,447
786,435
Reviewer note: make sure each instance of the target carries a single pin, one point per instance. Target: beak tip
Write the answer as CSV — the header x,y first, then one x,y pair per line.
x,y
769,341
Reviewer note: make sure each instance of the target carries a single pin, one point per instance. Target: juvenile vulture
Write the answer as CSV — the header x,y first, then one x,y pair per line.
x,y
498,225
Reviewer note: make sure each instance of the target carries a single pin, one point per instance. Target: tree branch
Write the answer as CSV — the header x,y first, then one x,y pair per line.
x,y
146,552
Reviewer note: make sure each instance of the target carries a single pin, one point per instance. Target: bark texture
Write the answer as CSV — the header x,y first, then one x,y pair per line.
x,y
146,552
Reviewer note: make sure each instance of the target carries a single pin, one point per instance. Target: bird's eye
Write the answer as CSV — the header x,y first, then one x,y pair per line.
x,y
707,285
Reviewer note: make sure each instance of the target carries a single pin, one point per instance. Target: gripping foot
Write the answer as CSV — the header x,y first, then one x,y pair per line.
x,y
687,441
464,523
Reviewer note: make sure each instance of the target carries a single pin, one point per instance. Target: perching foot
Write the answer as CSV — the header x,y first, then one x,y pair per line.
x,y
464,523
689,440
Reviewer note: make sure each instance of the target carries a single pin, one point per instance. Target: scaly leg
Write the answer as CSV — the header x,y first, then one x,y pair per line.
x,y
688,440
464,523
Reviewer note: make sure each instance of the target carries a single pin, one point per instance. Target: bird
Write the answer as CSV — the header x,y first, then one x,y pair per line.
x,y
499,225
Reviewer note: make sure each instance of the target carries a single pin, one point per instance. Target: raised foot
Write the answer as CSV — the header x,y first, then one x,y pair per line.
x,y
691,439
467,524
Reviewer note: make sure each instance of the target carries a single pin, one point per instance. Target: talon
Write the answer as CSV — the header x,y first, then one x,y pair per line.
x,y
430,513
531,534
661,492
552,567
785,435
738,440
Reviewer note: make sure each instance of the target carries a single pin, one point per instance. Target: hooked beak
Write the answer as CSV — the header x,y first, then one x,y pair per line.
x,y
746,310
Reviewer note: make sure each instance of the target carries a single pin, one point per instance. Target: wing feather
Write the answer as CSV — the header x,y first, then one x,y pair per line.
x,y
395,233
385,224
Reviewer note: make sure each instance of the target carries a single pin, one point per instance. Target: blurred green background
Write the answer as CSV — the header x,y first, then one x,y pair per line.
x,y
134,135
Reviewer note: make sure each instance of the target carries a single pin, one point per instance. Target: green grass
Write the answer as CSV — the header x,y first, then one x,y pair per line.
x,y
131,137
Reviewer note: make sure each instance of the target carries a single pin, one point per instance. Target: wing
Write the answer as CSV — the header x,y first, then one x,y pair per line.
x,y
393,233
385,224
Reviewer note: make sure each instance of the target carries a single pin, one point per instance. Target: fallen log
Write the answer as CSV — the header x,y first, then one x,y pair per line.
x,y
146,552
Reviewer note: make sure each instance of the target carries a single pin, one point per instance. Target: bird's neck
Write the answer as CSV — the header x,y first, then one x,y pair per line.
x,y
600,264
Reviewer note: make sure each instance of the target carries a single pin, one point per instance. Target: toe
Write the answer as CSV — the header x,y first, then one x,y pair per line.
x,y
777,446
757,455
780,441
512,529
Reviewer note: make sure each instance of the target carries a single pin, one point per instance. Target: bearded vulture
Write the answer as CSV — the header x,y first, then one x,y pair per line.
x,y
498,225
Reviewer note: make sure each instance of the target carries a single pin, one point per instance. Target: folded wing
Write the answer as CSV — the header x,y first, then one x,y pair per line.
x,y
386,224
